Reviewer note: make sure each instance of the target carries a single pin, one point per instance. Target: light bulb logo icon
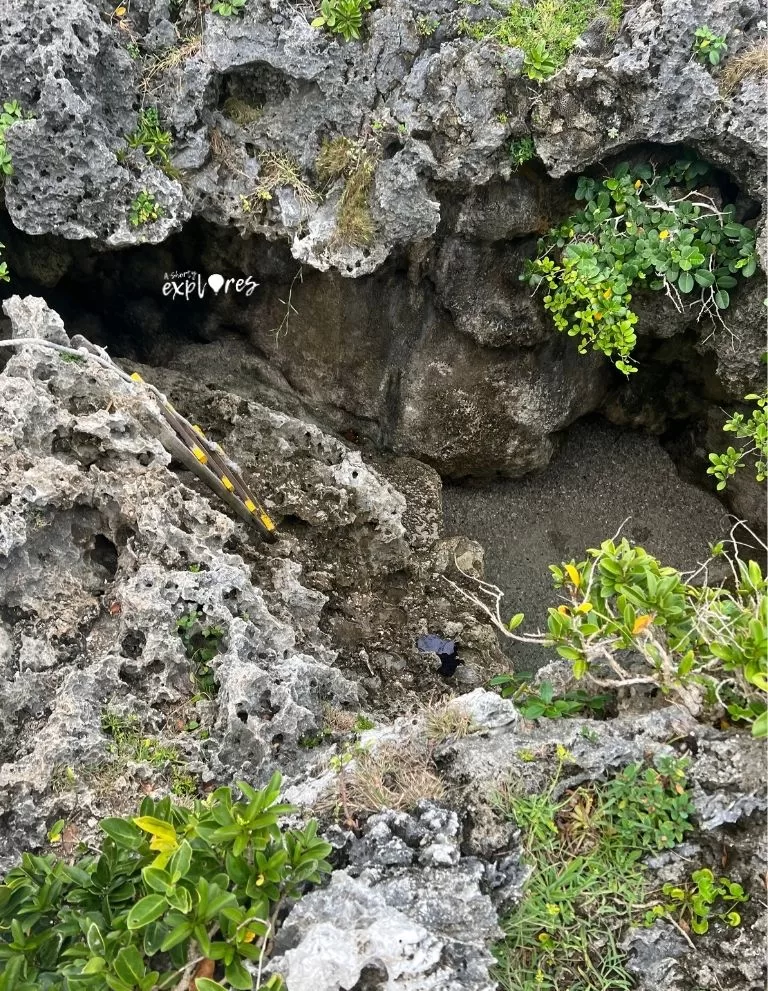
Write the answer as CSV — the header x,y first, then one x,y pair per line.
x,y
216,281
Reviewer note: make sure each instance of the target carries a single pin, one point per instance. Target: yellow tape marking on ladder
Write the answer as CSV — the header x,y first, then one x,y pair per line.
x,y
267,521
136,377
198,430
227,484
200,454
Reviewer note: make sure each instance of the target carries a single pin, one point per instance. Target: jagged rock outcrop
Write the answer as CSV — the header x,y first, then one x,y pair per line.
x,y
103,550
423,339
104,547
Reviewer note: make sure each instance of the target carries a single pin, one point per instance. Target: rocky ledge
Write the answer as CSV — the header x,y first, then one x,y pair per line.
x,y
105,548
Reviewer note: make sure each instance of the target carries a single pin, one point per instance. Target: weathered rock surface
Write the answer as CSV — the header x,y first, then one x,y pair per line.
x,y
423,340
103,549
407,912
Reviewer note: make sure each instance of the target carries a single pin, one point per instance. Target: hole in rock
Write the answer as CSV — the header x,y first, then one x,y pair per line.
x,y
104,553
132,644
373,977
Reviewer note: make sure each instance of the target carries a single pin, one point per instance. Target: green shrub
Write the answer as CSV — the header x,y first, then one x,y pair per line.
x,y
344,17
169,888
648,809
4,276
700,644
145,209
522,150
709,47
753,430
641,227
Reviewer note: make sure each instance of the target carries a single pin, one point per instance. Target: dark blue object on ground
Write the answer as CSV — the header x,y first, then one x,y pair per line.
x,y
446,650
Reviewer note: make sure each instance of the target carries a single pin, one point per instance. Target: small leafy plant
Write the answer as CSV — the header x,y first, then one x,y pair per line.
x,y
201,644
649,809
170,889
4,276
543,703
522,150
539,64
129,742
754,431
426,26
643,226
697,903
152,139
709,47
344,17
145,209
228,8
11,113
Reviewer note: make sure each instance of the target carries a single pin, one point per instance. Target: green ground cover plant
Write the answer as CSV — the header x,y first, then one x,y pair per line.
x,y
699,901
587,883
201,644
145,209
709,47
642,227
545,30
10,113
534,704
522,150
168,889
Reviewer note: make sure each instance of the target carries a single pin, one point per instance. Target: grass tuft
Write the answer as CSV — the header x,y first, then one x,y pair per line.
x,y
587,884
343,158
555,24
448,722
280,171
240,112
170,59
753,62
391,777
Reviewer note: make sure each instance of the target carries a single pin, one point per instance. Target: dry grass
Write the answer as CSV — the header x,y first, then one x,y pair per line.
x,y
280,170
343,158
391,777
354,224
337,158
753,62
171,59
338,720
448,722
225,152
240,112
